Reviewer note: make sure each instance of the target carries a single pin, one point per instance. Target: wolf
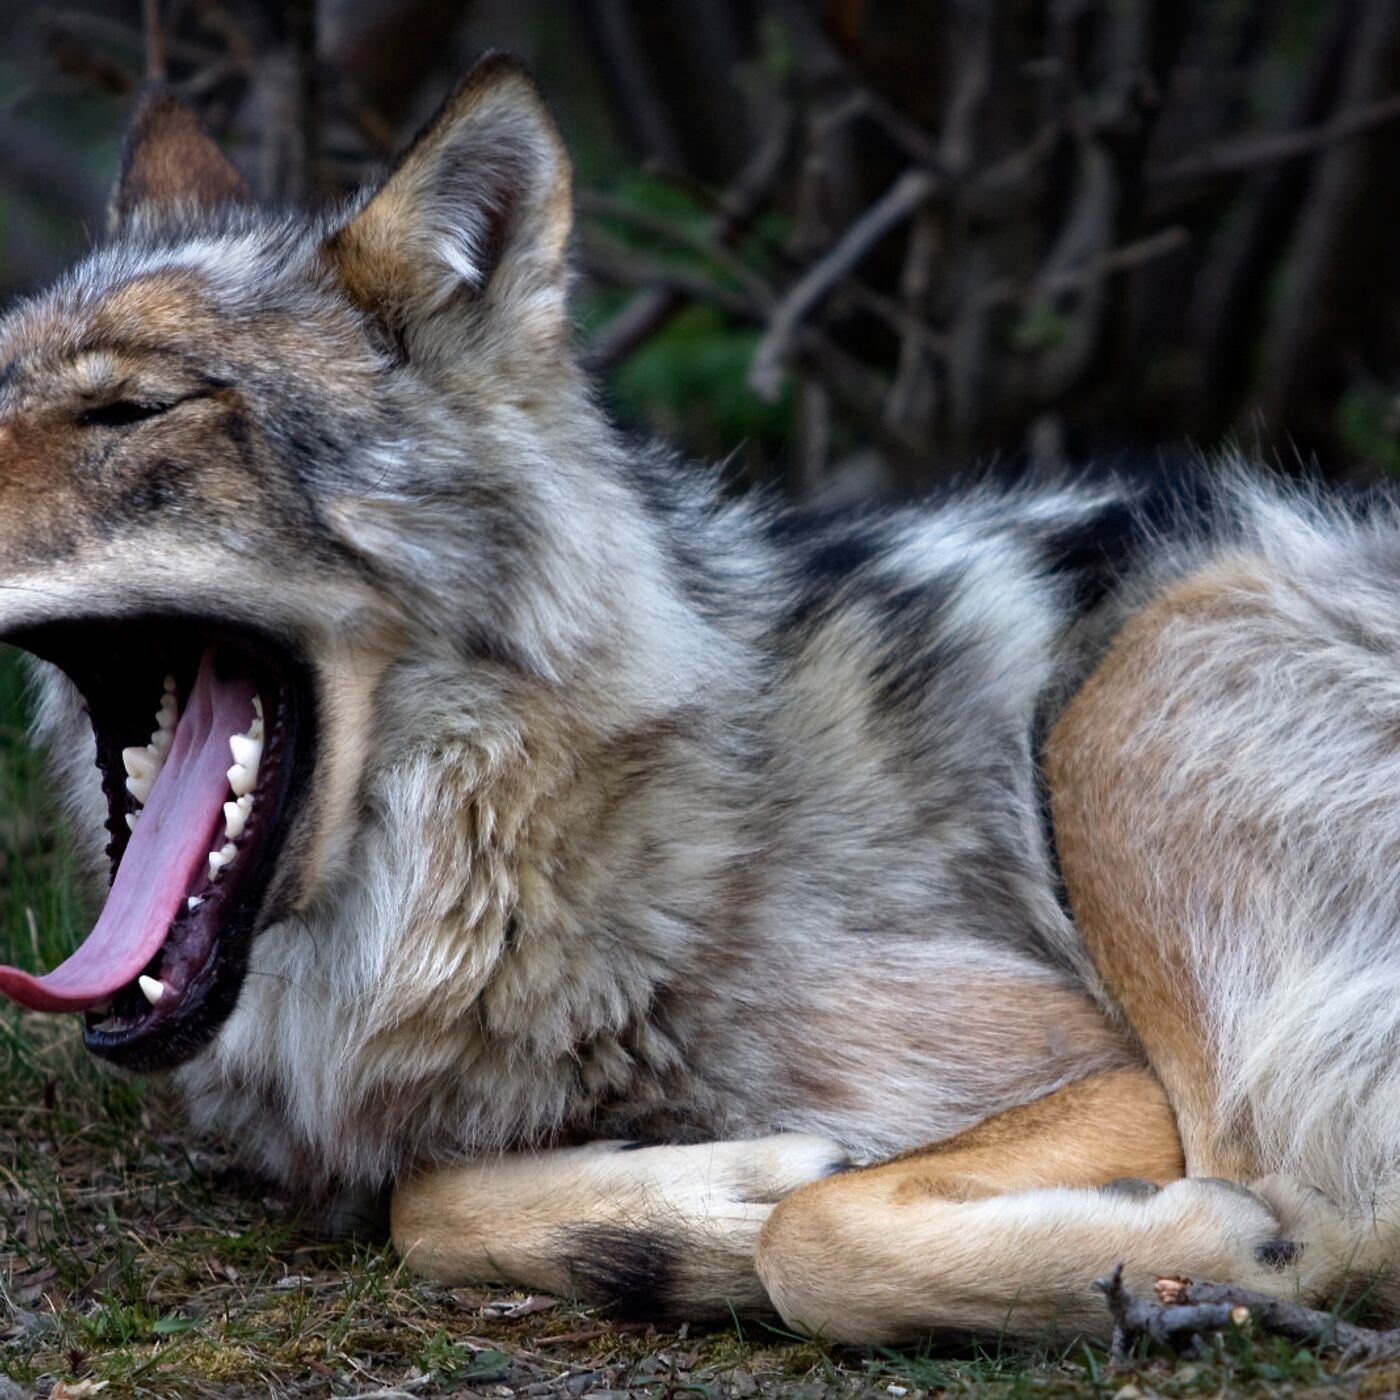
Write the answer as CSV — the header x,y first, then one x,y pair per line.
x,y
893,920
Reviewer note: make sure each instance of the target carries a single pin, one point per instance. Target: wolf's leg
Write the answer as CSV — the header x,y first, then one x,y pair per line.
x,y
1226,798
986,1233
1119,747
650,1229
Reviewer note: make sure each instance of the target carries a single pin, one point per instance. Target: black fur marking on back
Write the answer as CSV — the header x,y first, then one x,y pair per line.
x,y
828,552
671,498
633,1272
1098,551
919,651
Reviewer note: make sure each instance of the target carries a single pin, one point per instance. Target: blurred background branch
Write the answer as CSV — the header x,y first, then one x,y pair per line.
x,y
867,241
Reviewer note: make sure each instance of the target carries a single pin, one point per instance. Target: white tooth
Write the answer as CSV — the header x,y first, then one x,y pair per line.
x,y
246,750
168,713
242,780
229,853
193,903
152,988
245,804
257,706
169,685
255,730
216,864
139,788
140,762
235,818
160,743
131,820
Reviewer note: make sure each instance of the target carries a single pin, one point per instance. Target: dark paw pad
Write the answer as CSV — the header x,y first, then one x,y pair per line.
x,y
1134,1186
1278,1254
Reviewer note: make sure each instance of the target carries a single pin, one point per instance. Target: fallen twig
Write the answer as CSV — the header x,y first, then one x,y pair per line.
x,y
586,1334
1184,1311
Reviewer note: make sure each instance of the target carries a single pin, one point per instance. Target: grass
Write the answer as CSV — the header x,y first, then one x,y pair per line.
x,y
136,1262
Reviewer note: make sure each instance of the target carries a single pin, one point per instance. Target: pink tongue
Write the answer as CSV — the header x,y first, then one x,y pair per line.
x,y
167,853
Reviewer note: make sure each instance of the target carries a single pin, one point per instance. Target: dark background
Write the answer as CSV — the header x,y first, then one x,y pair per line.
x,y
856,244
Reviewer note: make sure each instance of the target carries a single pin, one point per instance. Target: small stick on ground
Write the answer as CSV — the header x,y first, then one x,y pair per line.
x,y
1184,1311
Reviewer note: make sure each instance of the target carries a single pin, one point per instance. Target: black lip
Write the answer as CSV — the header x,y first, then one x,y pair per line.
x,y
97,656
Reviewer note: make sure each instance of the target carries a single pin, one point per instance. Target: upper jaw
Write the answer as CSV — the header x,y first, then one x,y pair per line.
x,y
119,668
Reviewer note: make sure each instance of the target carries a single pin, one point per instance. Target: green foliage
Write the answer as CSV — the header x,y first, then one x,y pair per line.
x,y
1039,327
41,909
687,383
1368,423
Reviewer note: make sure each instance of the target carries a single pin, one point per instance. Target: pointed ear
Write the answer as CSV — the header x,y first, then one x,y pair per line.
x,y
171,167
475,216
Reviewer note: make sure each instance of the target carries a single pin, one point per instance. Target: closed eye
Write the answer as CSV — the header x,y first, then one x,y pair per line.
x,y
122,413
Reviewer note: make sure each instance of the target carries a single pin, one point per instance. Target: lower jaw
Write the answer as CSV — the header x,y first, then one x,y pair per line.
x,y
203,961
145,1038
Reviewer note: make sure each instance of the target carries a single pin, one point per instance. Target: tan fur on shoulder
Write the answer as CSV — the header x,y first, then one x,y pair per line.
x,y
1119,890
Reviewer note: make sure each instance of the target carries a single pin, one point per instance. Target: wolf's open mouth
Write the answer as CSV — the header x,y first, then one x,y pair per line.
x,y
203,742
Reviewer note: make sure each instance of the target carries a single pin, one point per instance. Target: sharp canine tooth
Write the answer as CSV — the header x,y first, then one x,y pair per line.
x,y
235,818
139,788
152,988
140,762
246,750
131,820
242,780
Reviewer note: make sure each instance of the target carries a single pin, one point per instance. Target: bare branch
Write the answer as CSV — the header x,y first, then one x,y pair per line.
x,y
907,194
1240,157
157,64
615,262
698,242
654,305
306,138
1124,259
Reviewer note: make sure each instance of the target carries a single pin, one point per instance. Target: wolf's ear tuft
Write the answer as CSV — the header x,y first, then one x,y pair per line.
x,y
476,213
171,167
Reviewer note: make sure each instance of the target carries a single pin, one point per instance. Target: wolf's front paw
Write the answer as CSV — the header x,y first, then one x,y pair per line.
x,y
1275,1236
1315,1241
